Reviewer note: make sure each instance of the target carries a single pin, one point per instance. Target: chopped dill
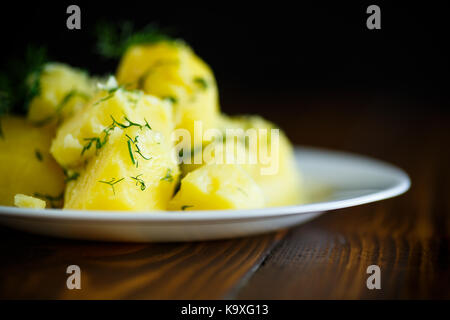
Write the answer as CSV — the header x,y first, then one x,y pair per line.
x,y
171,99
111,92
168,177
38,155
55,201
64,101
185,207
201,82
72,176
139,182
112,182
114,39
130,151
138,150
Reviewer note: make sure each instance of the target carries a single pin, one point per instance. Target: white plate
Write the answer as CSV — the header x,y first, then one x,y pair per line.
x,y
338,179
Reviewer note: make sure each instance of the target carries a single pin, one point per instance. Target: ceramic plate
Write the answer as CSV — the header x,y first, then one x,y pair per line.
x,y
332,180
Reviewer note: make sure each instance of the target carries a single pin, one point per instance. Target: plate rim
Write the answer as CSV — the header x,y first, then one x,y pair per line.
x,y
224,215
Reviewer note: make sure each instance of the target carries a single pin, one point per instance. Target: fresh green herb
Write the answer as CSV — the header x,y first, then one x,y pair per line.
x,y
201,82
147,125
55,201
20,80
64,101
111,92
243,192
130,151
185,207
129,124
171,99
114,39
139,182
168,177
135,142
112,182
38,155
72,176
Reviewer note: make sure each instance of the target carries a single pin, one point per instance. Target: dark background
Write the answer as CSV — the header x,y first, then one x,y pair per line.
x,y
275,51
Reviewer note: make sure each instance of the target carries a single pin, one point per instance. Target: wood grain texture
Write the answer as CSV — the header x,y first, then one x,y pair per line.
x,y
35,267
408,236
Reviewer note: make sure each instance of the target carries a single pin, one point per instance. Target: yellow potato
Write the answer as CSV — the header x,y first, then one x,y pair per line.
x,y
24,201
214,186
134,170
62,92
281,186
171,70
78,138
26,165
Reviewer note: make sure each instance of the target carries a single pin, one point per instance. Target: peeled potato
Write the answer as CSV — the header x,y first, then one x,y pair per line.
x,y
115,180
26,165
62,91
214,186
171,70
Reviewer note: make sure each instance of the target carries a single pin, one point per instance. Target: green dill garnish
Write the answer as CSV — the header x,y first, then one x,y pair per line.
x,y
168,177
111,92
129,124
171,99
114,39
201,82
243,192
130,151
38,155
71,176
20,80
100,142
62,104
185,207
147,125
55,201
112,182
139,182
135,142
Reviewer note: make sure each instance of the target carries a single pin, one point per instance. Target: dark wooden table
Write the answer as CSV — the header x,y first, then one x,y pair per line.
x,y
408,236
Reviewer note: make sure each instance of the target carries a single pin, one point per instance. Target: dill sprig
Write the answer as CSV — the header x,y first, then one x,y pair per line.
x,y
185,207
201,82
135,142
111,183
114,39
99,142
38,155
70,175
64,101
168,177
139,182
55,201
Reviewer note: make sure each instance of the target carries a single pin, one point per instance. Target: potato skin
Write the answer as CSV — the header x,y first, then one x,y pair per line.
x,y
26,165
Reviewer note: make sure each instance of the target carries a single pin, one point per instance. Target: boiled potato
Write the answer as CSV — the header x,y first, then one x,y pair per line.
x,y
80,137
171,70
61,92
276,174
24,201
214,186
280,187
26,165
135,170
